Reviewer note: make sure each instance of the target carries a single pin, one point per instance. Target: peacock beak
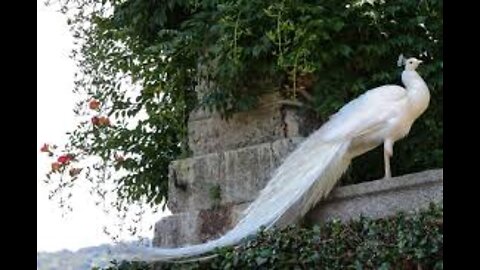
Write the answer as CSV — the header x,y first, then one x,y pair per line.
x,y
420,61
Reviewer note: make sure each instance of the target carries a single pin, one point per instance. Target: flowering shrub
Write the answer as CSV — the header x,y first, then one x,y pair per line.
x,y
66,162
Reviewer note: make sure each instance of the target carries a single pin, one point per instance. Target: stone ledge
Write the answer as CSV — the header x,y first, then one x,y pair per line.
x,y
381,198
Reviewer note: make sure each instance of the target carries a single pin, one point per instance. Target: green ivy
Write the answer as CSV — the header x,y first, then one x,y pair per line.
x,y
405,241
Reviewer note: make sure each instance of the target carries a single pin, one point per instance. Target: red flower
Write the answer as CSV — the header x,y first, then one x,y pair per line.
x,y
56,166
45,148
95,120
100,121
64,159
104,121
94,104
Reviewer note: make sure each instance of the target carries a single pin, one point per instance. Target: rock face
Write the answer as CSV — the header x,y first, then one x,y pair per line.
x,y
269,121
238,175
196,226
233,160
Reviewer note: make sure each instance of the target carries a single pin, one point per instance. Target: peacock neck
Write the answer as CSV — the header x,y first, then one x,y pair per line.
x,y
418,92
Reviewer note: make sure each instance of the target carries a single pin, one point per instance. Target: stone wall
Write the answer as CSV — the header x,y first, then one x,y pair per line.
x,y
269,121
238,175
232,161
374,199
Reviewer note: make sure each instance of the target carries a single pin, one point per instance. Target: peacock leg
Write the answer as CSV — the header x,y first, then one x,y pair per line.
x,y
387,153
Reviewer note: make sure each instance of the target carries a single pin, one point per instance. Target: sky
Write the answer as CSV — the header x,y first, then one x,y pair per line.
x,y
55,74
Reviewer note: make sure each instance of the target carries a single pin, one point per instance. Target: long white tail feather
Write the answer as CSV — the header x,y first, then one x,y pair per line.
x,y
306,176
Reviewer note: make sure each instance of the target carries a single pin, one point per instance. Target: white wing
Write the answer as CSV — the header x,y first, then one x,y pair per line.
x,y
367,113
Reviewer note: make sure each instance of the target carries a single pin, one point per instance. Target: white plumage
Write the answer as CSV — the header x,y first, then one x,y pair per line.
x,y
380,116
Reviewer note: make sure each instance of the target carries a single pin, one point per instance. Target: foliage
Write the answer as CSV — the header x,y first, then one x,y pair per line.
x,y
401,242
215,194
142,60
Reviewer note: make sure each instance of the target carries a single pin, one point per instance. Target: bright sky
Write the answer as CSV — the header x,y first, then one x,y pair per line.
x,y
82,227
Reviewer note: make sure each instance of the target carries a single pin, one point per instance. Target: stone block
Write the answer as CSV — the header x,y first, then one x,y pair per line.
x,y
238,174
196,226
269,121
381,198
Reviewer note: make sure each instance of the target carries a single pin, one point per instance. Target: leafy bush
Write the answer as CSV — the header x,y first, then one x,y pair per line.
x,y
412,241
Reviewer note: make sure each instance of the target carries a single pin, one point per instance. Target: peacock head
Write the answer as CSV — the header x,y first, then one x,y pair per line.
x,y
410,63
